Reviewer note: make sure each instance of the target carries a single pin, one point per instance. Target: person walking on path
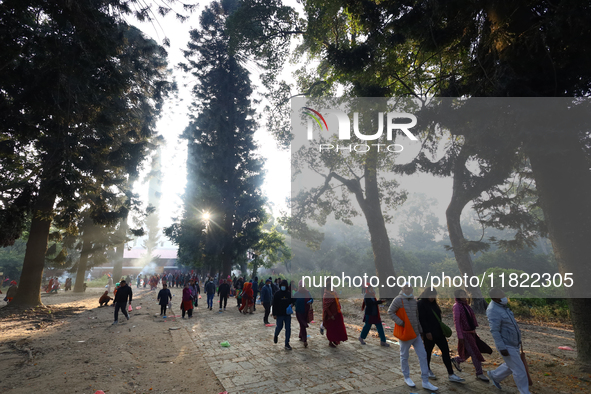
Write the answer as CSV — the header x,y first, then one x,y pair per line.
x,y
266,299
223,293
332,319
430,318
210,291
110,284
255,292
281,301
507,336
247,302
372,316
303,301
187,302
195,290
123,294
406,300
164,296
466,323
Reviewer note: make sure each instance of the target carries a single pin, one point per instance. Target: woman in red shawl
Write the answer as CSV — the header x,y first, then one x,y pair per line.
x,y
247,301
332,319
465,322
49,286
187,302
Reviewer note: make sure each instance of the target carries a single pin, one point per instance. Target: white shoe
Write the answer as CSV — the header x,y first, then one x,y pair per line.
x,y
482,377
409,382
432,375
455,378
429,386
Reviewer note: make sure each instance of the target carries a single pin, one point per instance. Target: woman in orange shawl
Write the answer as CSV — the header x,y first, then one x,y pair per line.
x,y
247,301
332,318
49,286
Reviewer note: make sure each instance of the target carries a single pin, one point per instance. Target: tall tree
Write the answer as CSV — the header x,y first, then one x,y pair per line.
x,y
79,96
224,205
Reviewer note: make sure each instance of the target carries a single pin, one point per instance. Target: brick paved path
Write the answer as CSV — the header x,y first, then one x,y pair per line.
x,y
254,364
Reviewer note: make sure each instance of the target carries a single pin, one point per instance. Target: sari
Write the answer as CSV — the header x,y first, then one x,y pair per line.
x,y
332,318
187,302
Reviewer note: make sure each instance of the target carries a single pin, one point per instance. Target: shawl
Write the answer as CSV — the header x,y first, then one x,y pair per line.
x,y
329,298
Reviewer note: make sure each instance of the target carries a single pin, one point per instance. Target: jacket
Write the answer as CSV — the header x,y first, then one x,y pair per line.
x,y
281,300
428,321
266,294
123,294
209,288
163,296
412,311
224,290
503,326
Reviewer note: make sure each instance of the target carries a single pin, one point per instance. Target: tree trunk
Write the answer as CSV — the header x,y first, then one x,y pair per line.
x,y
453,214
563,181
29,290
380,242
120,249
80,273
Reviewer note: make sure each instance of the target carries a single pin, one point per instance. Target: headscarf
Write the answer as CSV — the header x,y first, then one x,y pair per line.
x,y
329,298
13,282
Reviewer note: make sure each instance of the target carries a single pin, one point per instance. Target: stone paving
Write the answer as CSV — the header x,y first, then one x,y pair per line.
x,y
254,364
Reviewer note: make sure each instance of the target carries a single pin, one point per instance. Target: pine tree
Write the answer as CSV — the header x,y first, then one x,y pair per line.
x,y
224,175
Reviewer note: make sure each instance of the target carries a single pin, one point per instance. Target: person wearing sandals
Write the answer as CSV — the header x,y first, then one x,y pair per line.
x,y
406,300
430,317
465,323
372,316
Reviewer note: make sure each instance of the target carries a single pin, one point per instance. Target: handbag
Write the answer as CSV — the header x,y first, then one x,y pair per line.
x,y
522,354
406,332
289,310
444,327
310,314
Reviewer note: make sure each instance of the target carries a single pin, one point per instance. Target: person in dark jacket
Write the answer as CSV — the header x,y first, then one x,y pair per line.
x,y
195,290
266,299
372,316
281,301
429,318
123,294
255,292
223,293
210,291
303,301
164,296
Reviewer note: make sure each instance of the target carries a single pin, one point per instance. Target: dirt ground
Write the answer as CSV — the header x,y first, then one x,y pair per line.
x,y
75,349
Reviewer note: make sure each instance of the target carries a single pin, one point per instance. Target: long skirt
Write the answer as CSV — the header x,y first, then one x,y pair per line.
x,y
335,329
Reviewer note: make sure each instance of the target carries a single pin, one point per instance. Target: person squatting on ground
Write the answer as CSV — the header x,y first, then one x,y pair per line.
x,y
104,299
123,294
303,302
406,300
372,316
210,291
281,301
11,292
164,296
266,299
223,293
187,302
507,336
332,319
466,323
430,319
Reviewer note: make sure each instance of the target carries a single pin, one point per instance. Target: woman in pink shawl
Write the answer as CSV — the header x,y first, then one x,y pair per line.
x,y
187,302
465,322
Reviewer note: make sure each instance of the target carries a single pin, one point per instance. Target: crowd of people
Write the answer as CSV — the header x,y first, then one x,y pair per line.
x,y
418,320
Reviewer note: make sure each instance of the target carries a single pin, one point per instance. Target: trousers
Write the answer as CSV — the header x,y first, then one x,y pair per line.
x,y
512,365
417,343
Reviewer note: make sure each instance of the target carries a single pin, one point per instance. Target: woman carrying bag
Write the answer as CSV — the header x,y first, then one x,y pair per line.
x,y
435,332
469,344
403,310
